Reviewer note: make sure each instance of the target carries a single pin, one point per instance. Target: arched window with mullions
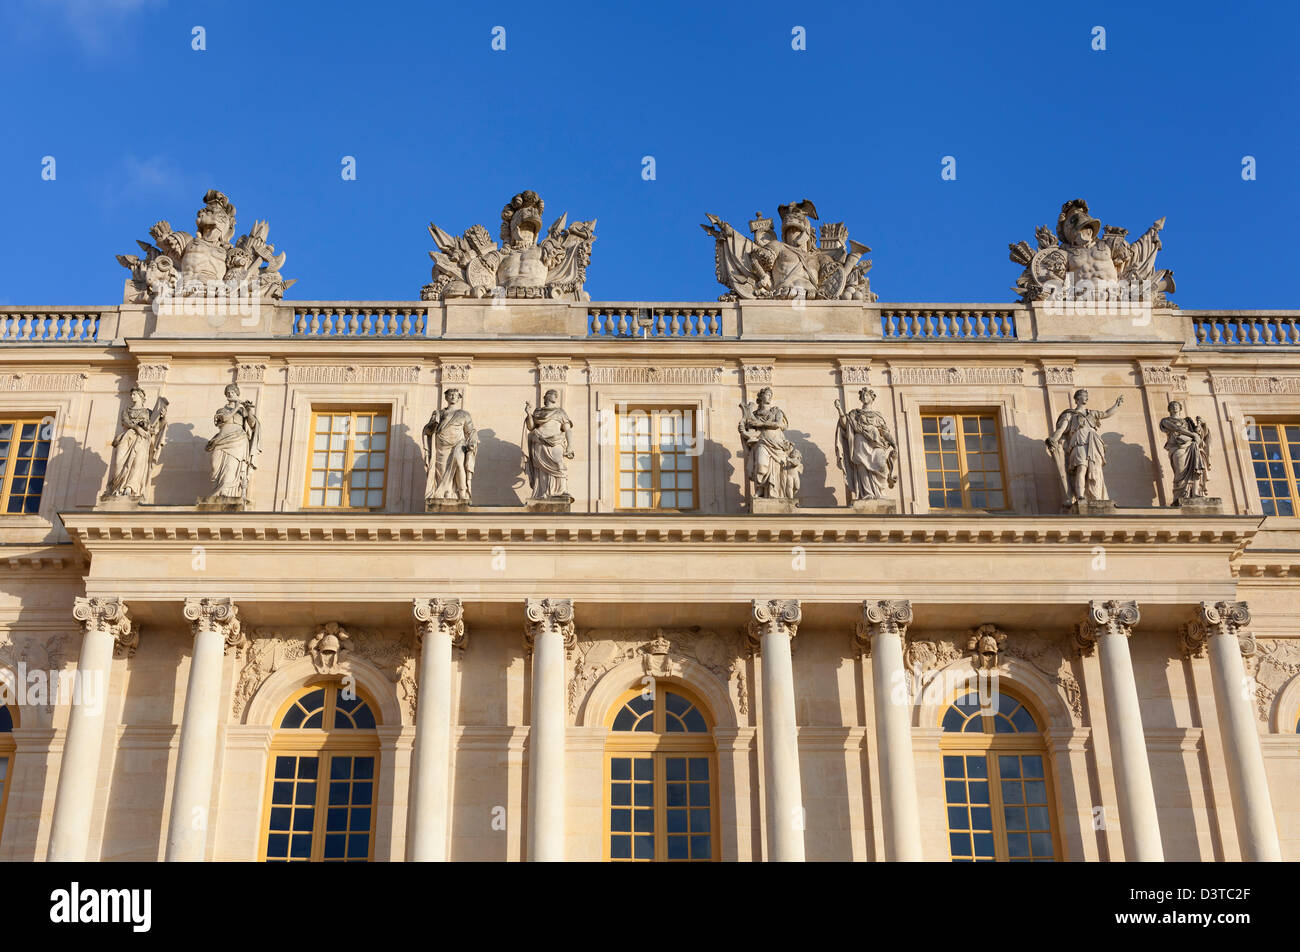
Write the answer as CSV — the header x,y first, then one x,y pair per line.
x,y
660,778
997,786
8,720
320,789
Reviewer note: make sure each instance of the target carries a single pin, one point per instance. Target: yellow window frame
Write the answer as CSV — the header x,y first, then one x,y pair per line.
x,y
659,745
1288,465
349,451
990,744
323,743
963,469
655,413
11,459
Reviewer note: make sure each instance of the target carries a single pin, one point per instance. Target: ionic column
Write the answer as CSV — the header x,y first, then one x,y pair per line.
x,y
1220,627
438,627
773,623
107,633
215,623
548,632
1109,624
881,632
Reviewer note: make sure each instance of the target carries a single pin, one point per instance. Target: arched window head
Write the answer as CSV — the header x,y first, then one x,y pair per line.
x,y
322,778
997,787
660,770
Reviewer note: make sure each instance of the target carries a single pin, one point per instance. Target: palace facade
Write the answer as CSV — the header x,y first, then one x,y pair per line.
x,y
523,576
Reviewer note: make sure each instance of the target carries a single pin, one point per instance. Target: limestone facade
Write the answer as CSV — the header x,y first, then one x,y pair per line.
x,y
1156,646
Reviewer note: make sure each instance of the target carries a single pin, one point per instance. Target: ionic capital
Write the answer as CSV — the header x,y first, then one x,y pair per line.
x,y
108,615
773,615
545,615
1105,618
438,614
889,616
1221,618
215,614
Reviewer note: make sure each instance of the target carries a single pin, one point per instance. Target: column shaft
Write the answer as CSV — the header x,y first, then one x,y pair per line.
x,y
1251,804
430,799
894,750
549,629
781,748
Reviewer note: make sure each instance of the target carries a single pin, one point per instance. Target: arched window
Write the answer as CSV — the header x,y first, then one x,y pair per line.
x,y
320,792
996,784
660,778
8,719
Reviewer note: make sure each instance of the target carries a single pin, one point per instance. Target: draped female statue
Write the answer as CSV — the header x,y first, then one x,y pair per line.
x,y
865,450
137,446
546,447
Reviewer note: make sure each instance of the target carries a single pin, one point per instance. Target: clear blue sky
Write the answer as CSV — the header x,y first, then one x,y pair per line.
x,y
444,128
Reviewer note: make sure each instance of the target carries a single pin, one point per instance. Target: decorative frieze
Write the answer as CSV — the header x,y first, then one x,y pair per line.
x,y
552,373
855,374
661,652
351,373
250,372
1256,384
53,382
704,376
151,373
1059,375
1151,375
455,371
758,373
934,376
1276,662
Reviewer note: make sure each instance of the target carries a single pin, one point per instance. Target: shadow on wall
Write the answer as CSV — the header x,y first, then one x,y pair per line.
x,y
183,472
716,458
1130,473
90,468
1036,489
499,472
814,491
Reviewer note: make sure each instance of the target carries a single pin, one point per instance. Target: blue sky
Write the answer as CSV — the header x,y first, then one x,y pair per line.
x,y
445,129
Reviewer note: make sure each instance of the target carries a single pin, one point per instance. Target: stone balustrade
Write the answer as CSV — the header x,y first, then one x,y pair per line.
x,y
49,325
1245,328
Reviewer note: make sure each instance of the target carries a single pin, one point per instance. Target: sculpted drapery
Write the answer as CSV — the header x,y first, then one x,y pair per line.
x,y
1187,442
546,447
450,446
773,465
865,450
137,446
235,447
1077,446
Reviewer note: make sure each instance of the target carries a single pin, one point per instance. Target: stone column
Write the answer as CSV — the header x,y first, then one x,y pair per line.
x,y
1220,627
548,633
439,626
215,623
773,623
107,633
882,631
1109,624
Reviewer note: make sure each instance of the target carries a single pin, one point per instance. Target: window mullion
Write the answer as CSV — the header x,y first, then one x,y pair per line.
x,y
10,464
1000,852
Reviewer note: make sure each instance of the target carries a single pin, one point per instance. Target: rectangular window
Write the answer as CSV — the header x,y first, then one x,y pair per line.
x,y
24,452
321,818
1275,454
349,459
963,461
657,454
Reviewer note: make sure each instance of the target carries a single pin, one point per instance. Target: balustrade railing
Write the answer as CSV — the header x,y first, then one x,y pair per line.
x,y
1259,331
368,320
654,323
50,326
948,324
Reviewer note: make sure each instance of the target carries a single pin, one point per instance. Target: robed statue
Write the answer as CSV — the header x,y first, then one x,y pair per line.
x,y
773,466
137,446
1080,454
234,449
865,450
546,447
450,445
1187,442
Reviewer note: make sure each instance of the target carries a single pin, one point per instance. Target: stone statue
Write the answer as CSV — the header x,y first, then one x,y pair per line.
x,y
865,450
793,266
772,464
546,447
450,445
1187,442
473,266
1079,452
137,447
234,450
1083,262
206,264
